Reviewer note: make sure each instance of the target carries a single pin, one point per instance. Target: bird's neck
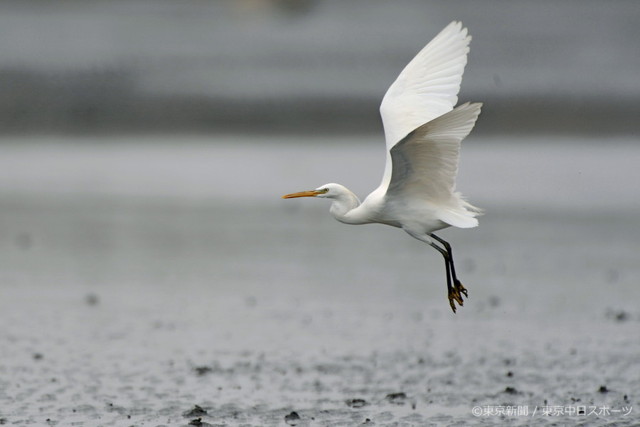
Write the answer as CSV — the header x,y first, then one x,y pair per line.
x,y
344,209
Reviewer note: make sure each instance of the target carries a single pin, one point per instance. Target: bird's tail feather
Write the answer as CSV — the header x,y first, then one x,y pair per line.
x,y
461,216
476,211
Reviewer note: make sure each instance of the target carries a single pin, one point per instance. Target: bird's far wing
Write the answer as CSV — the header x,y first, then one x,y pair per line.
x,y
425,162
428,86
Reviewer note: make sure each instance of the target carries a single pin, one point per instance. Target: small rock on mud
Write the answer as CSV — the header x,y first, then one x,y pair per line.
x,y
396,398
196,411
356,403
292,419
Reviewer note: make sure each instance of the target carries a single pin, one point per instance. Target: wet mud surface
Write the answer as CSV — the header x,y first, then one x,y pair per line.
x,y
124,311
226,363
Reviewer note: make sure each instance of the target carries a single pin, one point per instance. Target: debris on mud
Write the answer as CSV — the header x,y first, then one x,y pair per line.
x,y
356,403
202,370
396,398
196,411
292,419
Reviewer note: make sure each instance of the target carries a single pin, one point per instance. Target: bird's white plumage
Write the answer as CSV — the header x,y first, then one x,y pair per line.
x,y
425,165
423,132
426,88
425,162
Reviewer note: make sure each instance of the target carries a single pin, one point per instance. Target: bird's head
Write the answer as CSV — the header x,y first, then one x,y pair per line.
x,y
328,191
343,201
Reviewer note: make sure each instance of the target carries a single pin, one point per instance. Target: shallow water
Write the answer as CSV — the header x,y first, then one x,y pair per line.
x,y
141,278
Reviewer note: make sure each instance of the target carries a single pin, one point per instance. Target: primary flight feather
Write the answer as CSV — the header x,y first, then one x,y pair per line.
x,y
423,132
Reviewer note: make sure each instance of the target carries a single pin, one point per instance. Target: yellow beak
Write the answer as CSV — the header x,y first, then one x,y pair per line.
x,y
311,193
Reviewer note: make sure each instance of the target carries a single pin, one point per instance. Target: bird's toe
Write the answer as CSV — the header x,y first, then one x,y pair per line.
x,y
455,295
452,303
461,289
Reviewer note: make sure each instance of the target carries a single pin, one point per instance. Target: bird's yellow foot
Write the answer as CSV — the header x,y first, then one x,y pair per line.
x,y
461,289
455,295
452,302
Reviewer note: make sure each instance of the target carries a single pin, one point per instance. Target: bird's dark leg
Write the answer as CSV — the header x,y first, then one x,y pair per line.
x,y
447,246
457,290
450,289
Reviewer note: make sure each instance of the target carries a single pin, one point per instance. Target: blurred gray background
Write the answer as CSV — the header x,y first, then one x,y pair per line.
x,y
293,65
148,263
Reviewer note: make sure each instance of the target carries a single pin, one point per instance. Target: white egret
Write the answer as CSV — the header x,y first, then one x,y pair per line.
x,y
423,132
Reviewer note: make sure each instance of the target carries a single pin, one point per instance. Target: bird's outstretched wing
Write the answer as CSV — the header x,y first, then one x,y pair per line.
x,y
426,88
425,162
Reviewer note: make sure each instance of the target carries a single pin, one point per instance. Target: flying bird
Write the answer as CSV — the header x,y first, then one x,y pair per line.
x,y
423,132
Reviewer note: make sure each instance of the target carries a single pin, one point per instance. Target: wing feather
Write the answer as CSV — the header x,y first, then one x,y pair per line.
x,y
425,162
425,89
428,86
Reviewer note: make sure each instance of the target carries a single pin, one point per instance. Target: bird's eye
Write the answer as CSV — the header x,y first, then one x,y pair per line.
x,y
324,190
